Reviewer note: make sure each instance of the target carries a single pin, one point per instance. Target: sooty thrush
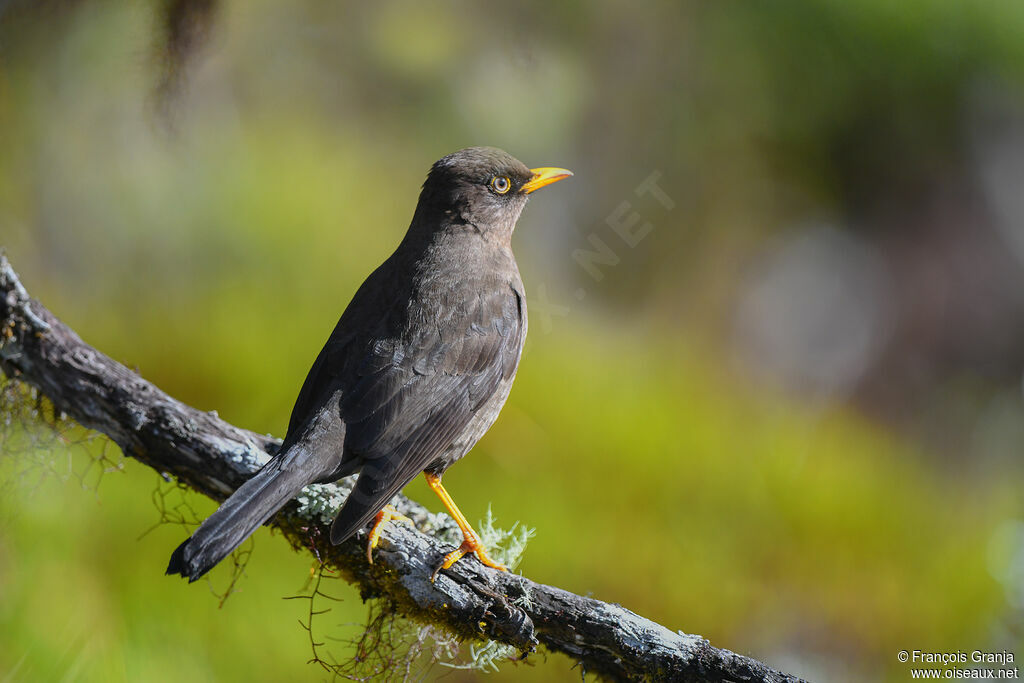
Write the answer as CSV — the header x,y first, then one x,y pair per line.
x,y
414,373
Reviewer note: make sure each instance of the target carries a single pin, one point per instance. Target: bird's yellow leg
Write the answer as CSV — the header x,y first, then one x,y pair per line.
x,y
387,514
471,541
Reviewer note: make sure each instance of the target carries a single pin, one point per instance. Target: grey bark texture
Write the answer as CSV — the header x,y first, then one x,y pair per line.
x,y
214,457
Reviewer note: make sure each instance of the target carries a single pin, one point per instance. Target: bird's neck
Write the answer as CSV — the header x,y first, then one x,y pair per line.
x,y
452,227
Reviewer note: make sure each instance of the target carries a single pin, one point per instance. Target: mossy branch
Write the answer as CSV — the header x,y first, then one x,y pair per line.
x,y
214,457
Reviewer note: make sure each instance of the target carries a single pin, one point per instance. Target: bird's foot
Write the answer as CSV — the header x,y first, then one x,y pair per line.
x,y
470,544
388,514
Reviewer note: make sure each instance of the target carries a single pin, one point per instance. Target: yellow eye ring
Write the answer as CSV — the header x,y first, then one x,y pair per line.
x,y
501,184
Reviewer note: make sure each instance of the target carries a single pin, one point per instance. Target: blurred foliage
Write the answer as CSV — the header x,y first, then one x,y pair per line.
x,y
211,239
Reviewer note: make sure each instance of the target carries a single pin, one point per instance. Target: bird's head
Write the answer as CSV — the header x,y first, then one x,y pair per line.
x,y
482,188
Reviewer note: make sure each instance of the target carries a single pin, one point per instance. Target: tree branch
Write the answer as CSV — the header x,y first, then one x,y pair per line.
x,y
214,457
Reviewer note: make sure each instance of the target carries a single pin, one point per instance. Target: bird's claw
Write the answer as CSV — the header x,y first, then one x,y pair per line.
x,y
469,545
387,514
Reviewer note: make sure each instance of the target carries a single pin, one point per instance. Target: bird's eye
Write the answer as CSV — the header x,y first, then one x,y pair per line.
x,y
500,184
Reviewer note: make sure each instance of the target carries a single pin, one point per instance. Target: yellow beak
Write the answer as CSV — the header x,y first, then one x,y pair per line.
x,y
542,177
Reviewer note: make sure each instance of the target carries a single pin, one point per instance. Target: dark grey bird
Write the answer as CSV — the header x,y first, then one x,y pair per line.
x,y
414,373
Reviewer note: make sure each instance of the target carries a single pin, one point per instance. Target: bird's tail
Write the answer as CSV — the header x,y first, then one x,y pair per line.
x,y
244,511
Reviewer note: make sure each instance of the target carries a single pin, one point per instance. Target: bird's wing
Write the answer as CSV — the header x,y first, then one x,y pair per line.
x,y
310,394
320,383
413,397
330,369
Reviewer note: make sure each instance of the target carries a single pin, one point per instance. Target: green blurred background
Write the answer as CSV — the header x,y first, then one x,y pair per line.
x,y
789,418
